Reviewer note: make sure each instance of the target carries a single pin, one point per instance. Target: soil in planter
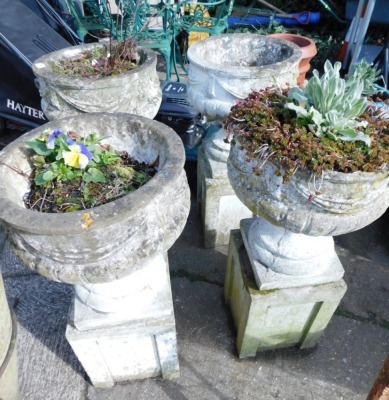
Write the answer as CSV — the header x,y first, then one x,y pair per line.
x,y
268,130
123,177
101,61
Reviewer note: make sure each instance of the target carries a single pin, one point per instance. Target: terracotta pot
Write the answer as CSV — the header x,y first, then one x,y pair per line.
x,y
307,47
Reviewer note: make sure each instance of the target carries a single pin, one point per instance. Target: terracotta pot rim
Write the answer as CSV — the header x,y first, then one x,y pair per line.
x,y
307,45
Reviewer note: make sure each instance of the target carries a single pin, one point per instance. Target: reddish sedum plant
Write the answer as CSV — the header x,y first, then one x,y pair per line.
x,y
269,130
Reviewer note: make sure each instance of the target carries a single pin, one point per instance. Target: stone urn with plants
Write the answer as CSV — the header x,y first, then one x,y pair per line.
x,y
310,163
99,77
95,201
225,69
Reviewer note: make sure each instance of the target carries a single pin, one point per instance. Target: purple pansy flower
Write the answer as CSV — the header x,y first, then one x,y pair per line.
x,y
51,139
85,151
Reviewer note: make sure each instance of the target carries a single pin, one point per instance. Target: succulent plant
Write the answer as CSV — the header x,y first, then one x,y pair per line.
x,y
363,72
331,105
328,125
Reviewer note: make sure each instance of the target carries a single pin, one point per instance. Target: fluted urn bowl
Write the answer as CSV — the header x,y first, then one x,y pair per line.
x,y
330,205
136,91
229,67
124,232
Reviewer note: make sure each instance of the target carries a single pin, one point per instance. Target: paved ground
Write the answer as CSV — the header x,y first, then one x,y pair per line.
x,y
343,365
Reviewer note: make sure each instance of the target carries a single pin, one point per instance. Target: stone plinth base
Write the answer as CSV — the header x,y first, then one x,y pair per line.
x,y
130,351
138,339
220,208
270,319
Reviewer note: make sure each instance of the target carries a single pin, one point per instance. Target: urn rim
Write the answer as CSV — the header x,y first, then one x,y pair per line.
x,y
16,215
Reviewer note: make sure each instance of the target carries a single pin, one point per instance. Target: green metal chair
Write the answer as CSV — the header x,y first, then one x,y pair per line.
x,y
135,21
202,19
87,18
206,16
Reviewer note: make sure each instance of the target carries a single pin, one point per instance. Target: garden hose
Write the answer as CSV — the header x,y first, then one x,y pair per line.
x,y
329,9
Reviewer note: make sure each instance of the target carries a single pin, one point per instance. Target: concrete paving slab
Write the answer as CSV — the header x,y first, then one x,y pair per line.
x,y
365,255
48,368
336,369
188,258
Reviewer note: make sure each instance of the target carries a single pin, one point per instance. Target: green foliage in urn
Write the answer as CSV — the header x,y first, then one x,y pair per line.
x,y
331,105
328,125
363,72
108,59
71,172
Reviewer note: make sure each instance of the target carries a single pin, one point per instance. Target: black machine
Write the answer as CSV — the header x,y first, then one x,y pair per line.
x,y
28,30
177,112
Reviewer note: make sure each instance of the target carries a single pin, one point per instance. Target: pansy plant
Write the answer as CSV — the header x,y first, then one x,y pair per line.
x,y
65,157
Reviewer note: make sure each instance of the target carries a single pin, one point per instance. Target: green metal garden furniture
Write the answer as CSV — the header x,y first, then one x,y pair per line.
x,y
149,25
86,17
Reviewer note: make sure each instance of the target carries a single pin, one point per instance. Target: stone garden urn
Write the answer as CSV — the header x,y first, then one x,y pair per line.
x,y
308,50
305,209
297,274
136,91
226,68
222,70
118,261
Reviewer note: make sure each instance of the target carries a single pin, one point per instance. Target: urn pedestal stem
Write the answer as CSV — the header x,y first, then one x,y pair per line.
x,y
219,207
282,258
224,69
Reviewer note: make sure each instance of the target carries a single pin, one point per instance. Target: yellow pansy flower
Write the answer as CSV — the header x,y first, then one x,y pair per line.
x,y
75,157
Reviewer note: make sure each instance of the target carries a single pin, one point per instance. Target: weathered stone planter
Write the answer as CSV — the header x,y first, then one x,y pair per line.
x,y
222,70
289,249
308,49
218,205
228,67
330,205
119,264
136,91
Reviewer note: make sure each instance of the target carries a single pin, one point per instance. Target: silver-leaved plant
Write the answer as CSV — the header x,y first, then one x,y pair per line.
x,y
330,105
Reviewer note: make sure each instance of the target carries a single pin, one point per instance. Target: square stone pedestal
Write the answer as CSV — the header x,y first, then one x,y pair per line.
x,y
131,351
139,341
275,318
219,207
